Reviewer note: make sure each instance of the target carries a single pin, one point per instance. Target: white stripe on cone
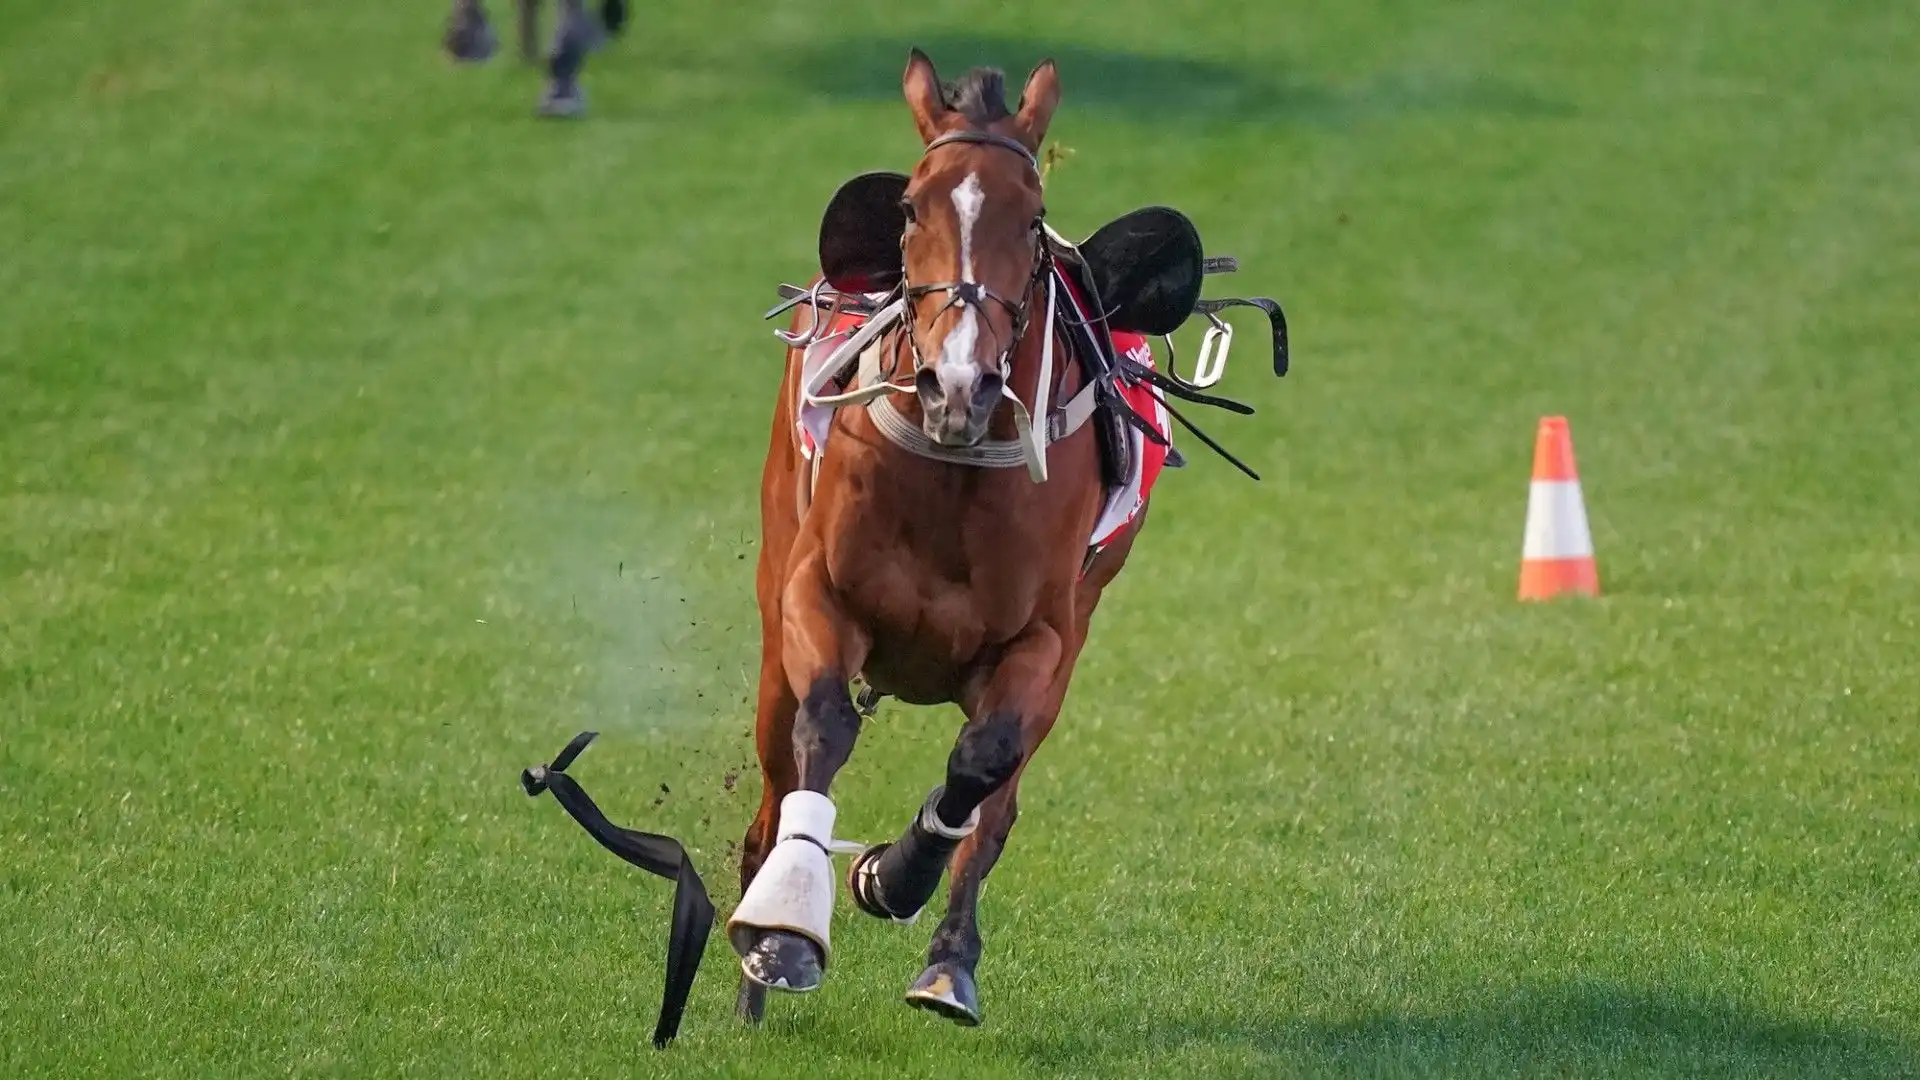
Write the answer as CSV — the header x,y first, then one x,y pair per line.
x,y
1557,522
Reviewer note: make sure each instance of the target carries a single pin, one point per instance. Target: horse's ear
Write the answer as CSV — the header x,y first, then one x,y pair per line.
x,y
1037,102
921,84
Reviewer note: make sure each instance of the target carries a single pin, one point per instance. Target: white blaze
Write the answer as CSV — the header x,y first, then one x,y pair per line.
x,y
957,367
967,199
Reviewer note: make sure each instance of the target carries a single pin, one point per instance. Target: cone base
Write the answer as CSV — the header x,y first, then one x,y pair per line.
x,y
1544,579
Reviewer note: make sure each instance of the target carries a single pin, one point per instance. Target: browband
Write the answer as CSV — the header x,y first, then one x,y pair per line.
x,y
985,138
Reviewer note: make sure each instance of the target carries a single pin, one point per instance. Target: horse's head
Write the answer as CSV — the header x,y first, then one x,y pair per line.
x,y
972,246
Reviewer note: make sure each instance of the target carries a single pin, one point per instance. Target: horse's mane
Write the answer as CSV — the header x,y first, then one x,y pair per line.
x,y
980,95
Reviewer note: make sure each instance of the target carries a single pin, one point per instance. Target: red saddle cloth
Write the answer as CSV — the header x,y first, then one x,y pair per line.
x,y
1123,504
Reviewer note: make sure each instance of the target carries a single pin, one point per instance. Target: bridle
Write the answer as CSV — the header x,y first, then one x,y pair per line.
x,y
963,294
880,341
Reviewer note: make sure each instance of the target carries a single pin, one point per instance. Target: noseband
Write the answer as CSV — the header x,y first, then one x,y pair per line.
x,y
962,294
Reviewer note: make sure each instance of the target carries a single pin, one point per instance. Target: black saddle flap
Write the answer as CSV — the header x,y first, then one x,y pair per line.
x,y
1147,267
860,233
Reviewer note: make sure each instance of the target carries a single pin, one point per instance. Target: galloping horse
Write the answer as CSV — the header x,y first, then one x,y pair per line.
x,y
469,38
995,423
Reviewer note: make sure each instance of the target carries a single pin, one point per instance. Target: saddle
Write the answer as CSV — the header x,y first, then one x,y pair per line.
x,y
1141,273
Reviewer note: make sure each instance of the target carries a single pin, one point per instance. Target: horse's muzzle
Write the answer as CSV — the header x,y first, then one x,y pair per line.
x,y
954,409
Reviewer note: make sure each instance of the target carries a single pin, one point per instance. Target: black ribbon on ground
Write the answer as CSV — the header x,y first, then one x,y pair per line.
x,y
660,855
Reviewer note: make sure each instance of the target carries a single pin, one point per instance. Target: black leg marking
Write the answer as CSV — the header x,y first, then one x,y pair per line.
x,y
824,732
986,755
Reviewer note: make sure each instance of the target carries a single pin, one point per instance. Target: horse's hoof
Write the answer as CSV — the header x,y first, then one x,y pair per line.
x,y
751,1005
864,887
470,41
783,961
947,989
564,104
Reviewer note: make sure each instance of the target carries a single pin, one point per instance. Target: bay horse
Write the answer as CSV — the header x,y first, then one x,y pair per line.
x,y
918,556
469,38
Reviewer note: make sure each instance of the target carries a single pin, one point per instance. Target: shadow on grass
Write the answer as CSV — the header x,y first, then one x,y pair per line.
x,y
1581,1029
1145,86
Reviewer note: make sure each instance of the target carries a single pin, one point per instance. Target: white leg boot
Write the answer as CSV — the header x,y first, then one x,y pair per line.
x,y
793,892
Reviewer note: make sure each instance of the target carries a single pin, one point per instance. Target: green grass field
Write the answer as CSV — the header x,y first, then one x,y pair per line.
x,y
362,439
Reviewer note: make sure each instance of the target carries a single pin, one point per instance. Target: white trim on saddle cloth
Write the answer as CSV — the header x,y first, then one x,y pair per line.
x,y
1122,504
815,420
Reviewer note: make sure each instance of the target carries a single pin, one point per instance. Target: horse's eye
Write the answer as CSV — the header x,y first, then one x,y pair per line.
x,y
906,210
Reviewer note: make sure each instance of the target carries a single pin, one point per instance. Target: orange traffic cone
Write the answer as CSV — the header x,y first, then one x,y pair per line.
x,y
1557,556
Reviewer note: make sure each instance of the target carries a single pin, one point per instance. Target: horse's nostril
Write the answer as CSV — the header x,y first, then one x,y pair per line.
x,y
989,386
927,385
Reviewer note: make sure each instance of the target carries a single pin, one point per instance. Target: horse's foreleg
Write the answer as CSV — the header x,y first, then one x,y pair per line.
x,y
947,984
773,738
966,820
896,880
781,926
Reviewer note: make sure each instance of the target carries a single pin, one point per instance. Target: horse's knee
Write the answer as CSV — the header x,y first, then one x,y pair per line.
x,y
824,731
985,756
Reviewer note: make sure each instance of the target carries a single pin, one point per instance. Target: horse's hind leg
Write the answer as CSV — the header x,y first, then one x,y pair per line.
x,y
780,928
575,34
966,820
529,29
947,986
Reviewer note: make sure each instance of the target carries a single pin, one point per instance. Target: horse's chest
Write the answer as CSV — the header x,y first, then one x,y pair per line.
x,y
954,610
927,636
